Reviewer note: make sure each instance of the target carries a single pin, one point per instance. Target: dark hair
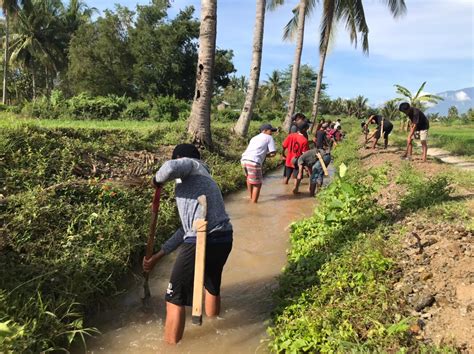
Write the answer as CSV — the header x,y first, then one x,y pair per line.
x,y
405,106
303,126
186,150
298,115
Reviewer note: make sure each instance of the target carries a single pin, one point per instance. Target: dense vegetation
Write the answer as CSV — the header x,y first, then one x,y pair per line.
x,y
94,184
335,294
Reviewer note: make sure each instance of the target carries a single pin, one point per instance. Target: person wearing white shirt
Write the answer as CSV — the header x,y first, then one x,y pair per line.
x,y
260,147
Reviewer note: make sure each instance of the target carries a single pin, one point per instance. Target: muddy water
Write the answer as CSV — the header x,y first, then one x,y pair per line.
x,y
258,255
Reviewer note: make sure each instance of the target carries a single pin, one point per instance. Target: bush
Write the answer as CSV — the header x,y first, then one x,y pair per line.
x,y
138,110
84,106
226,116
39,108
169,109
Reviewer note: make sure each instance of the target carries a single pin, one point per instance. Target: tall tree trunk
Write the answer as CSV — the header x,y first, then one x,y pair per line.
x,y
242,126
33,82
5,57
200,118
317,93
296,65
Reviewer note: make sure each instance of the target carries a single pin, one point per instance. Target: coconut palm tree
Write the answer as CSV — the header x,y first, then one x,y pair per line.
x,y
200,119
352,14
10,8
274,87
36,42
242,126
390,110
297,23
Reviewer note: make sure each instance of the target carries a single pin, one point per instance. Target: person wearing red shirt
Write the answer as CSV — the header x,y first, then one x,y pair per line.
x,y
293,146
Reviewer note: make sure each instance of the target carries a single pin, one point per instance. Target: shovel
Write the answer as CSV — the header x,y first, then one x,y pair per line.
x,y
155,206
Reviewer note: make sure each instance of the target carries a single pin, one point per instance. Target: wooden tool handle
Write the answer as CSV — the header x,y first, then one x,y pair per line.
x,y
323,165
200,226
155,207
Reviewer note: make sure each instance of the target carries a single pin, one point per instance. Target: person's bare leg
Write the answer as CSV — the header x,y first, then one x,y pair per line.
x,y
385,145
174,326
287,178
410,149
375,143
312,189
249,188
424,148
297,186
255,192
212,304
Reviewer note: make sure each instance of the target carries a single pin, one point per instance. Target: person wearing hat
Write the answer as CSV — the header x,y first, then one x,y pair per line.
x,y
192,180
420,124
387,129
293,146
260,147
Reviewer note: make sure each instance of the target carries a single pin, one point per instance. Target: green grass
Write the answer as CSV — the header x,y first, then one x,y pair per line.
x,y
458,139
66,239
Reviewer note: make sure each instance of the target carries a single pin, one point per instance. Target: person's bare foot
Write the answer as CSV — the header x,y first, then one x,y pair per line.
x,y
295,191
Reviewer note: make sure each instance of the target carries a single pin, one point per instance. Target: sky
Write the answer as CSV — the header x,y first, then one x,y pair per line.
x,y
433,42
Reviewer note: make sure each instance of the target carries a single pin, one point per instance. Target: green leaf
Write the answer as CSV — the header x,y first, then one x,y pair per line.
x,y
342,170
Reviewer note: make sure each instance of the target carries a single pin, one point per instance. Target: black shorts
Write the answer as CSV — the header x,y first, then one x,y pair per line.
x,y
290,171
386,133
180,287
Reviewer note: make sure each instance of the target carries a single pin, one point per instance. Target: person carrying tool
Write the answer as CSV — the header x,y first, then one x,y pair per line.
x,y
318,171
260,147
419,124
384,126
192,180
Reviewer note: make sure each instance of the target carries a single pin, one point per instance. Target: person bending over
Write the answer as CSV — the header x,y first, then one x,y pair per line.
x,y
260,147
192,180
420,124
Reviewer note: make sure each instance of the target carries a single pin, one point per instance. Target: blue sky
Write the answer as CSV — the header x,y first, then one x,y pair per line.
x,y
433,42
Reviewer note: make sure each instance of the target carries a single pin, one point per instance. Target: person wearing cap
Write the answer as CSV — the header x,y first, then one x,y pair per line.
x,y
192,179
387,129
293,146
420,124
260,147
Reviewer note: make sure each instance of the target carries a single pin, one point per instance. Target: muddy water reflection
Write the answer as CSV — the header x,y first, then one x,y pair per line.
x,y
259,253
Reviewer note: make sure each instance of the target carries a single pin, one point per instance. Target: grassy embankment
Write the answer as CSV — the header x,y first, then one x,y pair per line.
x,y
337,292
67,237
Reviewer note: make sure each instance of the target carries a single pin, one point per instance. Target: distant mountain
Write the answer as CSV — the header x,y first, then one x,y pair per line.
x,y
461,99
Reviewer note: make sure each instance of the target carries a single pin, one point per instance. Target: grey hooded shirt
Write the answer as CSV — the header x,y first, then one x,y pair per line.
x,y
192,180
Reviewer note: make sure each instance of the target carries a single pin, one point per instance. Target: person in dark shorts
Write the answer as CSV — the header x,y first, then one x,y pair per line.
x,y
293,146
192,180
387,129
420,124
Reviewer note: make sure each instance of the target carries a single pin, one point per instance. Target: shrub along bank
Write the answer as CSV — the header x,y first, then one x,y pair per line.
x,y
336,292
67,236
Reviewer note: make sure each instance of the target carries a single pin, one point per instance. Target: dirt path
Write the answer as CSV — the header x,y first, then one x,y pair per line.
x,y
436,259
258,255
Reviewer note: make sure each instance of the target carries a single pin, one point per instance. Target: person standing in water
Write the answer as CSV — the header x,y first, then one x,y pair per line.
x,y
192,180
260,147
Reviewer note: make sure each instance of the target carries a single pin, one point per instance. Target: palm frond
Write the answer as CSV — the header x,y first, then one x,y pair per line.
x,y
403,91
419,90
273,4
397,7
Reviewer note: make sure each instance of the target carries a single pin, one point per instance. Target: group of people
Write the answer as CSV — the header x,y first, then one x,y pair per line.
x,y
298,155
192,178
418,129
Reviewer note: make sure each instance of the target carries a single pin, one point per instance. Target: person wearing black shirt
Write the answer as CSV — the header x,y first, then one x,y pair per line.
x,y
419,123
387,129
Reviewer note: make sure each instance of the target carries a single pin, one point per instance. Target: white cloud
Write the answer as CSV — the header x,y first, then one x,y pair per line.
x,y
462,96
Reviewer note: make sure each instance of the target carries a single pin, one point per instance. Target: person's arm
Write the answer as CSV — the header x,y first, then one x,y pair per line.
x,y
169,246
271,147
284,145
173,169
